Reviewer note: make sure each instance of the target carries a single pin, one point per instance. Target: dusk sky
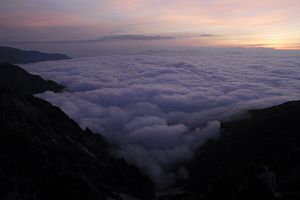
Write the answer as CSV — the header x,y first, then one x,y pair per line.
x,y
88,27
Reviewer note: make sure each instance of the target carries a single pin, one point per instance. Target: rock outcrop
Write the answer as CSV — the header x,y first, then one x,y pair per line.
x,y
17,79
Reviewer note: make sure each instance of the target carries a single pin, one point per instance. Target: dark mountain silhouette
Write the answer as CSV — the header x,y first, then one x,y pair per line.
x,y
17,56
19,80
255,158
46,155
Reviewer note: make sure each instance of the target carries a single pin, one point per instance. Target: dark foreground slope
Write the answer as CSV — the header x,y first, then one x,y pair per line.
x,y
19,80
17,56
45,155
235,166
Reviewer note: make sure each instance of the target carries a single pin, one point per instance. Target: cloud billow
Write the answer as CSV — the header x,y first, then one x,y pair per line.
x,y
159,109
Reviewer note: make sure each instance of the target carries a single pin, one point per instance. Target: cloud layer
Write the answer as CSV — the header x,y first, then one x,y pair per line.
x,y
158,108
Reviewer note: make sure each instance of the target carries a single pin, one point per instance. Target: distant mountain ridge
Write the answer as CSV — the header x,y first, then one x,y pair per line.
x,y
17,79
17,56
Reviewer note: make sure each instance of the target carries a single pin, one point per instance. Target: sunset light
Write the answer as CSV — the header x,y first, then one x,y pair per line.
x,y
217,23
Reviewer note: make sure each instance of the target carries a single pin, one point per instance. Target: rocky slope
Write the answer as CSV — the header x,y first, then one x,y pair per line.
x,y
17,56
46,155
255,158
16,78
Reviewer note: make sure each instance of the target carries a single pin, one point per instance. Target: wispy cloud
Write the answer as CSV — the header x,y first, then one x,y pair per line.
x,y
206,35
196,35
136,37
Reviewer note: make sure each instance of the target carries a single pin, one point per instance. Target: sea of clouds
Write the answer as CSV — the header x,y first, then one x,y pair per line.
x,y
157,108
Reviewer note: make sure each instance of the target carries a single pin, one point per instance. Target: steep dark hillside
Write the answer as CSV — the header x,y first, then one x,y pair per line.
x,y
248,158
17,56
46,155
18,79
